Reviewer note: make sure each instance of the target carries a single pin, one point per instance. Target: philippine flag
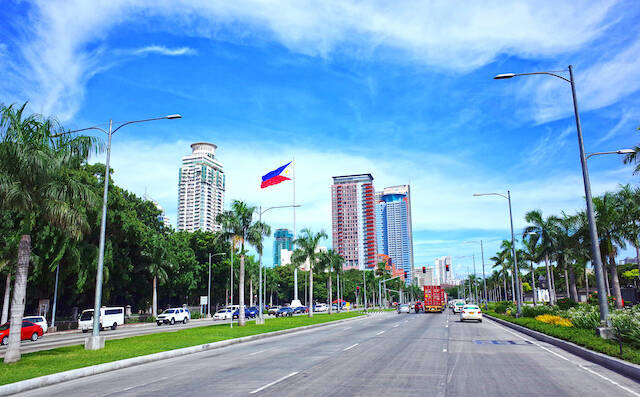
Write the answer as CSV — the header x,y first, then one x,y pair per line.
x,y
276,176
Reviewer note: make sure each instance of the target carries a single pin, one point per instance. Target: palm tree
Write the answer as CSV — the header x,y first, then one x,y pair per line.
x,y
331,260
544,229
307,244
37,182
531,254
503,269
237,225
608,221
629,203
157,252
634,158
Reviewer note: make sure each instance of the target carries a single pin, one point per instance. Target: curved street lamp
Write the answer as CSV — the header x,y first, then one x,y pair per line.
x,y
484,277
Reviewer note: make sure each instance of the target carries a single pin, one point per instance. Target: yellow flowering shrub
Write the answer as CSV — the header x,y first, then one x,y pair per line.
x,y
555,320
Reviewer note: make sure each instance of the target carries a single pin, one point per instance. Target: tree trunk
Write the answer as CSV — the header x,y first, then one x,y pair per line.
x,y
551,293
553,285
19,297
5,303
586,281
154,307
310,288
606,278
572,284
566,281
637,255
504,280
250,292
533,284
513,287
241,319
615,282
330,293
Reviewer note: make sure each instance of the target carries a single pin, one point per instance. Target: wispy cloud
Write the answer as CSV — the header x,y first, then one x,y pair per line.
x,y
161,50
627,120
547,146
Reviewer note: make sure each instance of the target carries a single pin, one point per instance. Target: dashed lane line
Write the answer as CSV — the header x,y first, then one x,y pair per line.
x,y
350,347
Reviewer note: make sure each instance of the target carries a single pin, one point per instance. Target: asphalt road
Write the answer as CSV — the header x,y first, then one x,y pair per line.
x,y
381,355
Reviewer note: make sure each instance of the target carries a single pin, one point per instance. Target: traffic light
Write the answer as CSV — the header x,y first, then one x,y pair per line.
x,y
447,266
405,274
424,269
357,289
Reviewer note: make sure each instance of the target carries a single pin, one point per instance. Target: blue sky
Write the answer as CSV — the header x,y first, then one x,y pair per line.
x,y
402,91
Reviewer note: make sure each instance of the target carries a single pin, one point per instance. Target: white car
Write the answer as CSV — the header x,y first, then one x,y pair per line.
x,y
223,314
173,315
404,308
321,308
109,317
457,306
39,320
470,312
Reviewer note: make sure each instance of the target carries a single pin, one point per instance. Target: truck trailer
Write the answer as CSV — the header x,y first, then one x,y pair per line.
x,y
433,298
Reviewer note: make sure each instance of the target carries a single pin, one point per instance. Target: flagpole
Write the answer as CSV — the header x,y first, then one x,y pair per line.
x,y
295,271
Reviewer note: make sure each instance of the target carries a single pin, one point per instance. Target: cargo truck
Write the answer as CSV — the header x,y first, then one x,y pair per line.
x,y
433,297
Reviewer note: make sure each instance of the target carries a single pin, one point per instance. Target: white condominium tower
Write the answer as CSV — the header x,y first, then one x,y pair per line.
x,y
201,185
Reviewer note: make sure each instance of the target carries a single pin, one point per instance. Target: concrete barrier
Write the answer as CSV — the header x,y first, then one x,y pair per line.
x,y
48,380
625,368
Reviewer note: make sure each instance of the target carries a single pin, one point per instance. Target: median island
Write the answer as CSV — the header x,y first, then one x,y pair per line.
x,y
61,359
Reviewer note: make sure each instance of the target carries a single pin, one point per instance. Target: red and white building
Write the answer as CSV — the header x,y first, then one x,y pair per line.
x,y
353,220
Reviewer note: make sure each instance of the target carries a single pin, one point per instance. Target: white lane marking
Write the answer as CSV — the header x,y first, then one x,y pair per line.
x,y
258,352
406,321
350,347
444,350
348,328
273,383
143,384
380,333
396,325
564,358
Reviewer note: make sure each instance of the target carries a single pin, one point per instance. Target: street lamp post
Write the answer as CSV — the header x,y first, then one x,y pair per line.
x,y
484,277
209,287
95,341
605,323
260,319
516,273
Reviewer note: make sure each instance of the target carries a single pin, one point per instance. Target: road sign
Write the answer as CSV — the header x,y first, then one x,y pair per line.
x,y
203,300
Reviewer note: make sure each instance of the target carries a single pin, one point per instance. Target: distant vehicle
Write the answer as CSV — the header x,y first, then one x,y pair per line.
x,y
300,309
273,309
404,308
29,331
458,305
284,312
233,307
433,298
254,311
39,320
470,312
223,314
418,307
172,316
321,307
247,314
109,317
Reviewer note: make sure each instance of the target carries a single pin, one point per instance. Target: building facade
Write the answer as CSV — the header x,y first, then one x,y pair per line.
x,y
394,234
201,187
426,278
353,220
283,240
285,258
441,275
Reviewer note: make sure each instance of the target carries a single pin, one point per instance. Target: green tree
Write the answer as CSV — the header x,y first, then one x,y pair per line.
x,y
237,225
307,244
36,181
332,261
544,227
629,203
157,253
611,235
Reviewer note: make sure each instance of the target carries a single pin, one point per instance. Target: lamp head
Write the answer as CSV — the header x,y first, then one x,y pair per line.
x,y
173,116
504,76
625,151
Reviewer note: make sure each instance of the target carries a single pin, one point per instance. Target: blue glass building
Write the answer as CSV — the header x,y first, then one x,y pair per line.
x,y
283,239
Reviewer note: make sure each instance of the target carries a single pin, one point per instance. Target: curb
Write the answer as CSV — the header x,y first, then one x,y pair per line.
x,y
48,380
622,367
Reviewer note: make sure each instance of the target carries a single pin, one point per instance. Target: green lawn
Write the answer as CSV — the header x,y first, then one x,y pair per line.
x,y
583,337
65,358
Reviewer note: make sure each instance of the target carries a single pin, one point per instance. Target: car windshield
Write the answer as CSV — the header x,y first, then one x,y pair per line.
x,y
88,315
33,319
404,305
459,304
168,311
471,307
4,327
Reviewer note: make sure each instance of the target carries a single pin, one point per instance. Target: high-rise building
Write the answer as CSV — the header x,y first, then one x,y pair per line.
x,y
394,234
283,240
163,218
441,275
201,186
425,278
353,220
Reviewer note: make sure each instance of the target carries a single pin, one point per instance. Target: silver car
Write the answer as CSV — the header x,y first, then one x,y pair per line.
x,y
403,308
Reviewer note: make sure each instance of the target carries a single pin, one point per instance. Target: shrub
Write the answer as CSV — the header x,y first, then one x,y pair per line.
x,y
566,303
555,320
626,325
196,315
503,307
584,316
533,311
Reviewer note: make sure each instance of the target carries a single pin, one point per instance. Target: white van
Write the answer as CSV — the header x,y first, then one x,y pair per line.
x,y
109,317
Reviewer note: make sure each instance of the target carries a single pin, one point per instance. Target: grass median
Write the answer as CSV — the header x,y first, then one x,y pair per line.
x,y
61,359
582,337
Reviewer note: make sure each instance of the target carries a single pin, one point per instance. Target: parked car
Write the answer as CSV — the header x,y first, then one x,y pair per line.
x,y
223,314
471,312
254,311
109,317
29,331
404,308
284,312
39,320
236,313
321,307
172,316
273,309
418,307
301,309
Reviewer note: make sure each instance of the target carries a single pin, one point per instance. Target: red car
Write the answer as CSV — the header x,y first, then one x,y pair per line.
x,y
418,307
30,331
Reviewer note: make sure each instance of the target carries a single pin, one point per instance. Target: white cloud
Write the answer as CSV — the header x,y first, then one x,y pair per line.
x,y
161,50
64,40
547,146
